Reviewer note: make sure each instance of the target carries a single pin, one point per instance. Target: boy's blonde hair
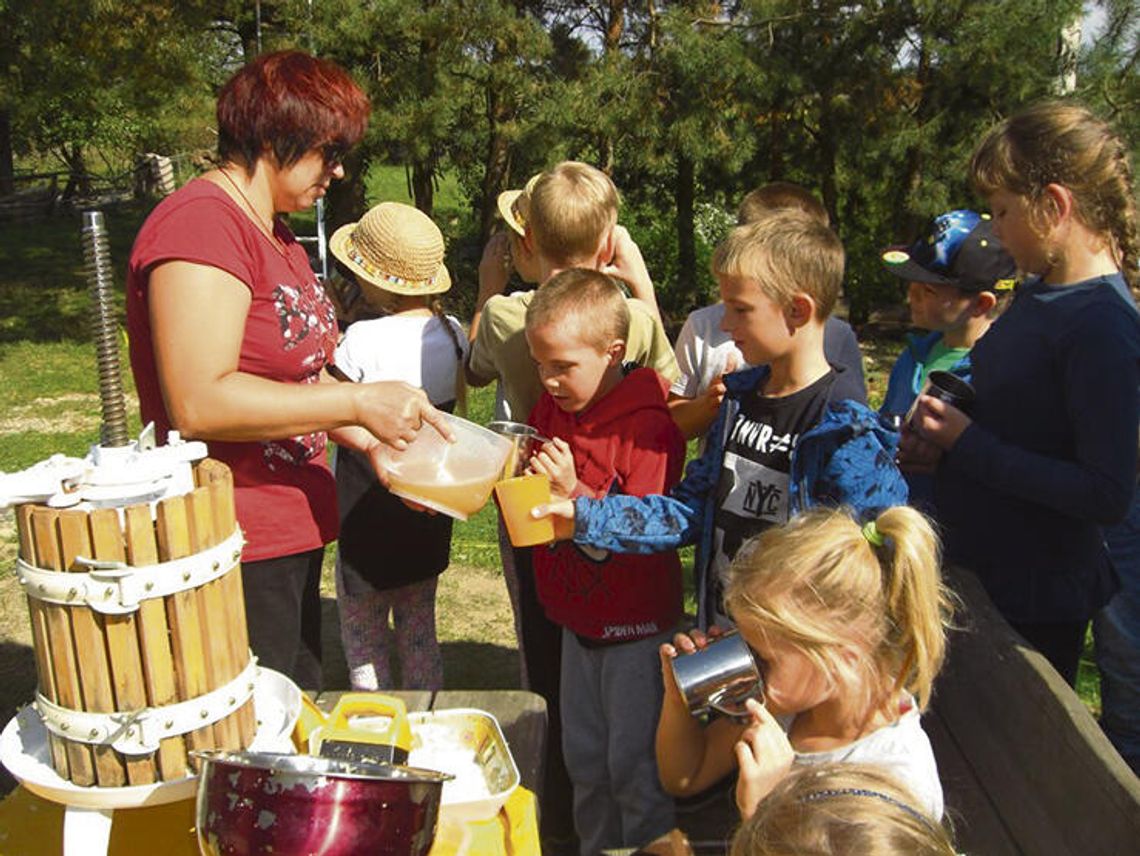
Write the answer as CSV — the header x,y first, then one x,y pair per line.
x,y
776,195
821,583
788,252
1056,142
572,206
840,809
587,299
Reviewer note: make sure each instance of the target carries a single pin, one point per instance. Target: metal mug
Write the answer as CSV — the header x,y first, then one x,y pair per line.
x,y
525,441
947,387
721,677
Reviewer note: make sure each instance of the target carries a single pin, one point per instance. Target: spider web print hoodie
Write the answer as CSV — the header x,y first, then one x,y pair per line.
x,y
625,443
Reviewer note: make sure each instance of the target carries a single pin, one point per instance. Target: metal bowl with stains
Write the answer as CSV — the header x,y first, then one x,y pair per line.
x,y
263,802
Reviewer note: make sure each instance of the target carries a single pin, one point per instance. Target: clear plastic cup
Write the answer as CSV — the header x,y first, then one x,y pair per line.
x,y
453,478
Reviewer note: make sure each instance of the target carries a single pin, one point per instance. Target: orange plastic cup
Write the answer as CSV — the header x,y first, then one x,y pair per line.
x,y
517,496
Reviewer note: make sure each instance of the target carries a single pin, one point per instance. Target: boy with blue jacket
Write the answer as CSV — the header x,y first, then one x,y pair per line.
x,y
786,437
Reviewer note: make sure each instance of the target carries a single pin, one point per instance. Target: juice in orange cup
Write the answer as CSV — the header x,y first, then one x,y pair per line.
x,y
517,496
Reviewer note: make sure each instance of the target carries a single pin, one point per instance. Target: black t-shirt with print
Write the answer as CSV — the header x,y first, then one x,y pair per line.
x,y
752,491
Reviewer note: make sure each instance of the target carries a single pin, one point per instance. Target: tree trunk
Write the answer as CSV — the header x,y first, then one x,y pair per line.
x,y
615,25
7,162
423,185
345,198
614,29
828,147
497,166
777,141
78,179
1068,51
683,197
903,219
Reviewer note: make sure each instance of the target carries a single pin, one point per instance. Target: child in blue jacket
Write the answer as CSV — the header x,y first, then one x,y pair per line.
x,y
785,437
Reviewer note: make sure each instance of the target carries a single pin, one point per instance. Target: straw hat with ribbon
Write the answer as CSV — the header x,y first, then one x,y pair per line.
x,y
394,247
514,205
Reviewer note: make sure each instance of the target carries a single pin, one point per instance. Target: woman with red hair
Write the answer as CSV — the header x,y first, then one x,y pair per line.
x,y
230,333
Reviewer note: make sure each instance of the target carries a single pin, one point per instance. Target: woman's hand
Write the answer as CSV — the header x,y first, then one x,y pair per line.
x,y
938,422
555,461
394,411
764,756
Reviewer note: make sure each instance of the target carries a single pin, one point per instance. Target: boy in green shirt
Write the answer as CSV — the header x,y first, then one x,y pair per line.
x,y
958,277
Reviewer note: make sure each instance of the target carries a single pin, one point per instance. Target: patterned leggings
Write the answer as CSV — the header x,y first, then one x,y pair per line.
x,y
369,640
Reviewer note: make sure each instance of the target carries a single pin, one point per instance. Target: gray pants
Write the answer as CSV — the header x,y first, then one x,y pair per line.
x,y
611,698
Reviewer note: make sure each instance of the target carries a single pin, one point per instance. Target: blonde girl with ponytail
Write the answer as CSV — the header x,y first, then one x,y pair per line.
x,y
848,621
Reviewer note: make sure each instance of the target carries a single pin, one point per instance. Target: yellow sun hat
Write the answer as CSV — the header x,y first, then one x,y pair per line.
x,y
514,205
394,247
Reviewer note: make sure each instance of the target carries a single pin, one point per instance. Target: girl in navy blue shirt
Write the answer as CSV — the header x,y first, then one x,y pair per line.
x,y
1048,454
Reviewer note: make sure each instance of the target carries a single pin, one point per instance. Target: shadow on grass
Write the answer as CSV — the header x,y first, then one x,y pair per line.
x,y
43,288
467,664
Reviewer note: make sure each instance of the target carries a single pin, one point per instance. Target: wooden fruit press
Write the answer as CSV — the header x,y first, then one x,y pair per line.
x,y
130,560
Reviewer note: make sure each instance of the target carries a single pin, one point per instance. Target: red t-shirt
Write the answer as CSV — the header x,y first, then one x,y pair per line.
x,y
626,443
284,491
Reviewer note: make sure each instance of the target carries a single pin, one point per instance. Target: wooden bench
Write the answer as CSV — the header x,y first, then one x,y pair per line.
x,y
1024,765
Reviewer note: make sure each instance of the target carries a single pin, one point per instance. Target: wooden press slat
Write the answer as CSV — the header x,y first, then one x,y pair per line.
x,y
41,638
154,639
211,607
218,478
80,759
90,646
127,677
173,530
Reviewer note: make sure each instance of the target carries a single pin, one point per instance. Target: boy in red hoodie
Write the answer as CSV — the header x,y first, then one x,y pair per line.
x,y
611,433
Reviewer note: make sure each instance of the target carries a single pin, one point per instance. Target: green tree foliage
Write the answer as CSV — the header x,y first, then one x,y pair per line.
x,y
452,86
102,80
1108,80
874,106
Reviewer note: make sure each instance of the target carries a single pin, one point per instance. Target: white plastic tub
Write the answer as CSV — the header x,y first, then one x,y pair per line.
x,y
468,744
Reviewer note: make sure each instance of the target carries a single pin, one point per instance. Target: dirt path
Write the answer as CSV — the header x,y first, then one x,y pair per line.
x,y
474,622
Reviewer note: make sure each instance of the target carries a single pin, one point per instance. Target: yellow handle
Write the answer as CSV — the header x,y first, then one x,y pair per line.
x,y
311,719
398,733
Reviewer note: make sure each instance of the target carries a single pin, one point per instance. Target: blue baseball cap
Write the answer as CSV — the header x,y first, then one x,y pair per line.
x,y
959,249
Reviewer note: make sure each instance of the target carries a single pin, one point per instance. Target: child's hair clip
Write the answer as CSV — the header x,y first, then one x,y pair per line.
x,y
828,793
872,534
